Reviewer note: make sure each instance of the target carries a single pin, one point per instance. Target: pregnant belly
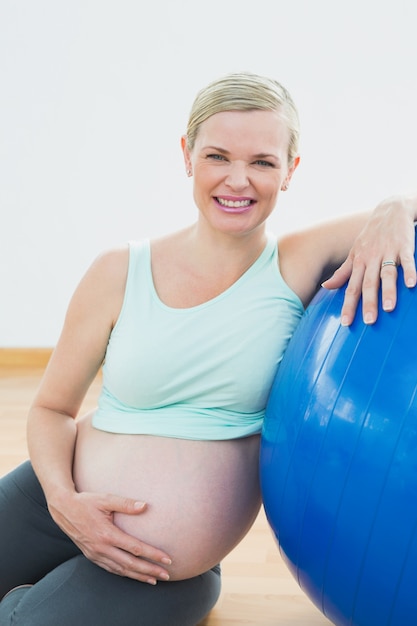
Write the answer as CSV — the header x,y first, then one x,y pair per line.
x,y
202,496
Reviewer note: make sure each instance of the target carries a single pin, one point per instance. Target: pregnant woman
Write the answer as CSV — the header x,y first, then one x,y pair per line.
x,y
122,516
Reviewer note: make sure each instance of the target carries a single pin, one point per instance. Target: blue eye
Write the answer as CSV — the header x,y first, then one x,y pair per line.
x,y
264,163
216,157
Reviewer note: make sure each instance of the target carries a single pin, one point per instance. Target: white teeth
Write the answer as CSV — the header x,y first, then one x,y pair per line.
x,y
233,204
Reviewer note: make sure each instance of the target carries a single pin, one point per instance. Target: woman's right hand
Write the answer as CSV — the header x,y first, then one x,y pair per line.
x,y
87,518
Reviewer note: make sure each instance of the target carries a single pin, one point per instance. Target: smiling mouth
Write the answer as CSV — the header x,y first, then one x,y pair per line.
x,y
234,204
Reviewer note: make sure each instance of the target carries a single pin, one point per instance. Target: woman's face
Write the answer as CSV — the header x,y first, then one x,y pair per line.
x,y
239,163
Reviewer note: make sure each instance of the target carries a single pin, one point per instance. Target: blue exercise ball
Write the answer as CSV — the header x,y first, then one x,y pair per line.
x,y
338,462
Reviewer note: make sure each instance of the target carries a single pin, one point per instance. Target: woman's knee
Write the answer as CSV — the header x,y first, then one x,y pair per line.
x,y
30,542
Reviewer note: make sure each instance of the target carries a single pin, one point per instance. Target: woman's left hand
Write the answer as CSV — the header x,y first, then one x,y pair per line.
x,y
388,235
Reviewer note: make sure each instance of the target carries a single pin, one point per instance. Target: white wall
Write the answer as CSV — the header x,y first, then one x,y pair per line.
x,y
94,95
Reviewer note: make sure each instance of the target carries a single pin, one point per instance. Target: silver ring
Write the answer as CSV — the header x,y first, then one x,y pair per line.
x,y
384,263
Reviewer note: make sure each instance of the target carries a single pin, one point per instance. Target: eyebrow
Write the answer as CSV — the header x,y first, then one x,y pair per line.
x,y
261,155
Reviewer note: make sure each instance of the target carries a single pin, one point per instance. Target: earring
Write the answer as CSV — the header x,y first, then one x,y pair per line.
x,y
284,187
189,172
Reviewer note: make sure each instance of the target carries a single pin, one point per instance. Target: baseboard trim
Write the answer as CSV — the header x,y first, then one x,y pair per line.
x,y
24,357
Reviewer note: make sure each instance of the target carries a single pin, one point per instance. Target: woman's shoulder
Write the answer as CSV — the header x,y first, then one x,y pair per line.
x,y
111,262
105,279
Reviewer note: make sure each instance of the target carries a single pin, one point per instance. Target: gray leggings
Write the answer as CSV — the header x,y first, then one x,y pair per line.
x,y
70,590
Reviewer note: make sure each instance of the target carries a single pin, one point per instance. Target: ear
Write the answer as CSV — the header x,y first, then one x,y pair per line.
x,y
291,170
293,167
187,155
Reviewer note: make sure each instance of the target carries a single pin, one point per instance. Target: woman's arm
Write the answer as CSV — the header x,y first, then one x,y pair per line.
x,y
356,245
86,518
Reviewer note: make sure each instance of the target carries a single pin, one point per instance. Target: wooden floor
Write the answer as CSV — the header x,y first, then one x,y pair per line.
x,y
257,587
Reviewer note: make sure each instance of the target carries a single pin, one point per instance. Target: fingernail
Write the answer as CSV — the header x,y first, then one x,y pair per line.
x,y
344,321
411,282
166,561
164,576
388,305
152,581
369,318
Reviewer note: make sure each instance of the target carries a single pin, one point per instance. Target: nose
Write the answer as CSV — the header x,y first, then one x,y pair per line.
x,y
237,177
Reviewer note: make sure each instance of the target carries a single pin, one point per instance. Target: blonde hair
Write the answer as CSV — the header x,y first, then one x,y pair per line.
x,y
244,91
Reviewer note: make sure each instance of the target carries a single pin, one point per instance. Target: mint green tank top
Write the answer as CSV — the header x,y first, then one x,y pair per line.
x,y
202,372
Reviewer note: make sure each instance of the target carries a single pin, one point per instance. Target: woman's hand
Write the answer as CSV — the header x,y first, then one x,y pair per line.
x,y
87,518
389,235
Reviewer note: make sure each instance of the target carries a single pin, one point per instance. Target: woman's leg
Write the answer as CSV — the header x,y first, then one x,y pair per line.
x,y
68,589
79,593
31,544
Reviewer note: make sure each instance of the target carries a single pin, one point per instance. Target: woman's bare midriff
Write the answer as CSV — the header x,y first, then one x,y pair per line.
x,y
202,496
